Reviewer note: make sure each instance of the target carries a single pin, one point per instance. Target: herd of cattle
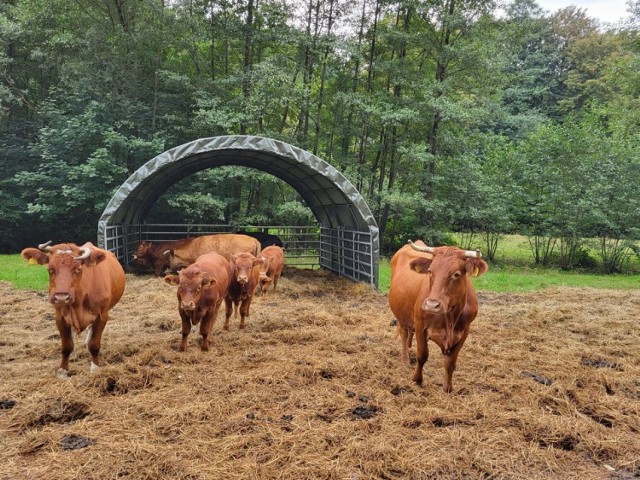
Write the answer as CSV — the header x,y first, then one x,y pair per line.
x,y
431,294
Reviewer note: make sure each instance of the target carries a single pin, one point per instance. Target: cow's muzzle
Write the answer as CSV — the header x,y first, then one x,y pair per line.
x,y
61,298
189,306
433,306
242,279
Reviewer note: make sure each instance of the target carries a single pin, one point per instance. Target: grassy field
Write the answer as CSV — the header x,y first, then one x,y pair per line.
x,y
15,270
513,271
523,279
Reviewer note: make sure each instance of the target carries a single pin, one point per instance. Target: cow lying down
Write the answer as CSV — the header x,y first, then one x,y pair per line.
x,y
84,284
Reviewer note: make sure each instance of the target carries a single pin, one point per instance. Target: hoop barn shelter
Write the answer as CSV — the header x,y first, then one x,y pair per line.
x,y
347,237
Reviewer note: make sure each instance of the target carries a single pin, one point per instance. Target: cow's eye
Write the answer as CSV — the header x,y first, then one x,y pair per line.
x,y
52,271
77,270
457,275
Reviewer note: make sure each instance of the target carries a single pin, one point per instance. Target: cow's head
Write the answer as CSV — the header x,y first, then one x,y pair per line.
x,y
66,262
174,260
192,282
449,270
242,265
142,251
264,268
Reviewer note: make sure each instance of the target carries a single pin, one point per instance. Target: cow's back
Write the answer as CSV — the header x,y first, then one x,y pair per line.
x,y
105,281
406,285
277,258
226,244
216,266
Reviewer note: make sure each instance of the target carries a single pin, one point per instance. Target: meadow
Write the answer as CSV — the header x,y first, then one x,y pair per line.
x,y
511,272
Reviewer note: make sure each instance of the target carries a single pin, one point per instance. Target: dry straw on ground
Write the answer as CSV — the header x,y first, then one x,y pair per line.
x,y
548,386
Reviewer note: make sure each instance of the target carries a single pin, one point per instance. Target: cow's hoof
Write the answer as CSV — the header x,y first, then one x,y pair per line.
x,y
94,368
62,373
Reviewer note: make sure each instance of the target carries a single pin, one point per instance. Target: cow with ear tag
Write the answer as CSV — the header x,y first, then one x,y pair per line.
x,y
432,296
84,284
202,286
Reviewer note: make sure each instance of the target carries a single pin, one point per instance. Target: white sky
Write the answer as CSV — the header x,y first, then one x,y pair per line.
x,y
603,10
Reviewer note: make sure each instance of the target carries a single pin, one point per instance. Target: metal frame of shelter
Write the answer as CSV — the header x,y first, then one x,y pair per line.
x,y
348,238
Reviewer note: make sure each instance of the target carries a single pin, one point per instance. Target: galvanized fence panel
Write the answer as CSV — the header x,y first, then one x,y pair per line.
x,y
346,252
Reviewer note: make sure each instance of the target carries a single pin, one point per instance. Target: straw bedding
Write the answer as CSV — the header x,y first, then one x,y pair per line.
x,y
547,386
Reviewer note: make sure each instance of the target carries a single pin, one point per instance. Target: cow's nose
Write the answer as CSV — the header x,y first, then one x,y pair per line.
x,y
188,306
242,278
61,298
432,305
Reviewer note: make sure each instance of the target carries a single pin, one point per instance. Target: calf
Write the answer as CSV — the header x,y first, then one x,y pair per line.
x,y
245,275
271,268
431,295
201,288
84,284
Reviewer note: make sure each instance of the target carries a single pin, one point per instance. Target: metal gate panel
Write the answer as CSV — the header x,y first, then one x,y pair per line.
x,y
347,252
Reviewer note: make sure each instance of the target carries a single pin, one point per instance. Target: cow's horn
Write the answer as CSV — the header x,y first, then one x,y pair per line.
x,y
45,246
421,249
473,253
84,253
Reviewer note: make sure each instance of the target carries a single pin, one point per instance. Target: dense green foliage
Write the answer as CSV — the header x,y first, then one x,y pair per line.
x,y
447,115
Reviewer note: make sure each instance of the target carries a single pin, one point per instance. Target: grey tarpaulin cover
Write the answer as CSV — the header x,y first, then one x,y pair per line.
x,y
334,201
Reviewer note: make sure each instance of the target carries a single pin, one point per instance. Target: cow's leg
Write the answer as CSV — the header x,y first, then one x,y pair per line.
x,y
422,353
66,339
96,336
404,340
206,325
275,281
450,362
228,304
186,329
244,310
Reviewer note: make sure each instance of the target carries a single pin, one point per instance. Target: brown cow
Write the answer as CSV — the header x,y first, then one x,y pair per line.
x,y
245,275
225,244
154,253
432,295
201,288
271,268
84,284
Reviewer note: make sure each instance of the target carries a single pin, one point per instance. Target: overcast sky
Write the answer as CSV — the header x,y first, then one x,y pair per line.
x,y
603,10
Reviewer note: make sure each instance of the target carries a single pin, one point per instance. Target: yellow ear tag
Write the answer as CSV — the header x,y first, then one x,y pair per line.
x,y
32,261
476,270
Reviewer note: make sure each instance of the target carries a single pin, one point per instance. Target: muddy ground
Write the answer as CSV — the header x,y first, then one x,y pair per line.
x,y
547,386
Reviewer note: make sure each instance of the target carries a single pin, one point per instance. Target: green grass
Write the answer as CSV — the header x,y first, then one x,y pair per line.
x,y
523,279
14,269
498,279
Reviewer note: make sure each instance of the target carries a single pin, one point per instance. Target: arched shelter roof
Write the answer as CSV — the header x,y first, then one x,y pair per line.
x,y
334,201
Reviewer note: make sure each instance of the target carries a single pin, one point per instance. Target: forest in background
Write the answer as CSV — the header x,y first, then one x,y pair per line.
x,y
472,116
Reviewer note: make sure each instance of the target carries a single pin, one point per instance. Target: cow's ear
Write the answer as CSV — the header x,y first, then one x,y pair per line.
x,y
208,282
34,256
420,265
172,279
94,259
476,267
233,258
